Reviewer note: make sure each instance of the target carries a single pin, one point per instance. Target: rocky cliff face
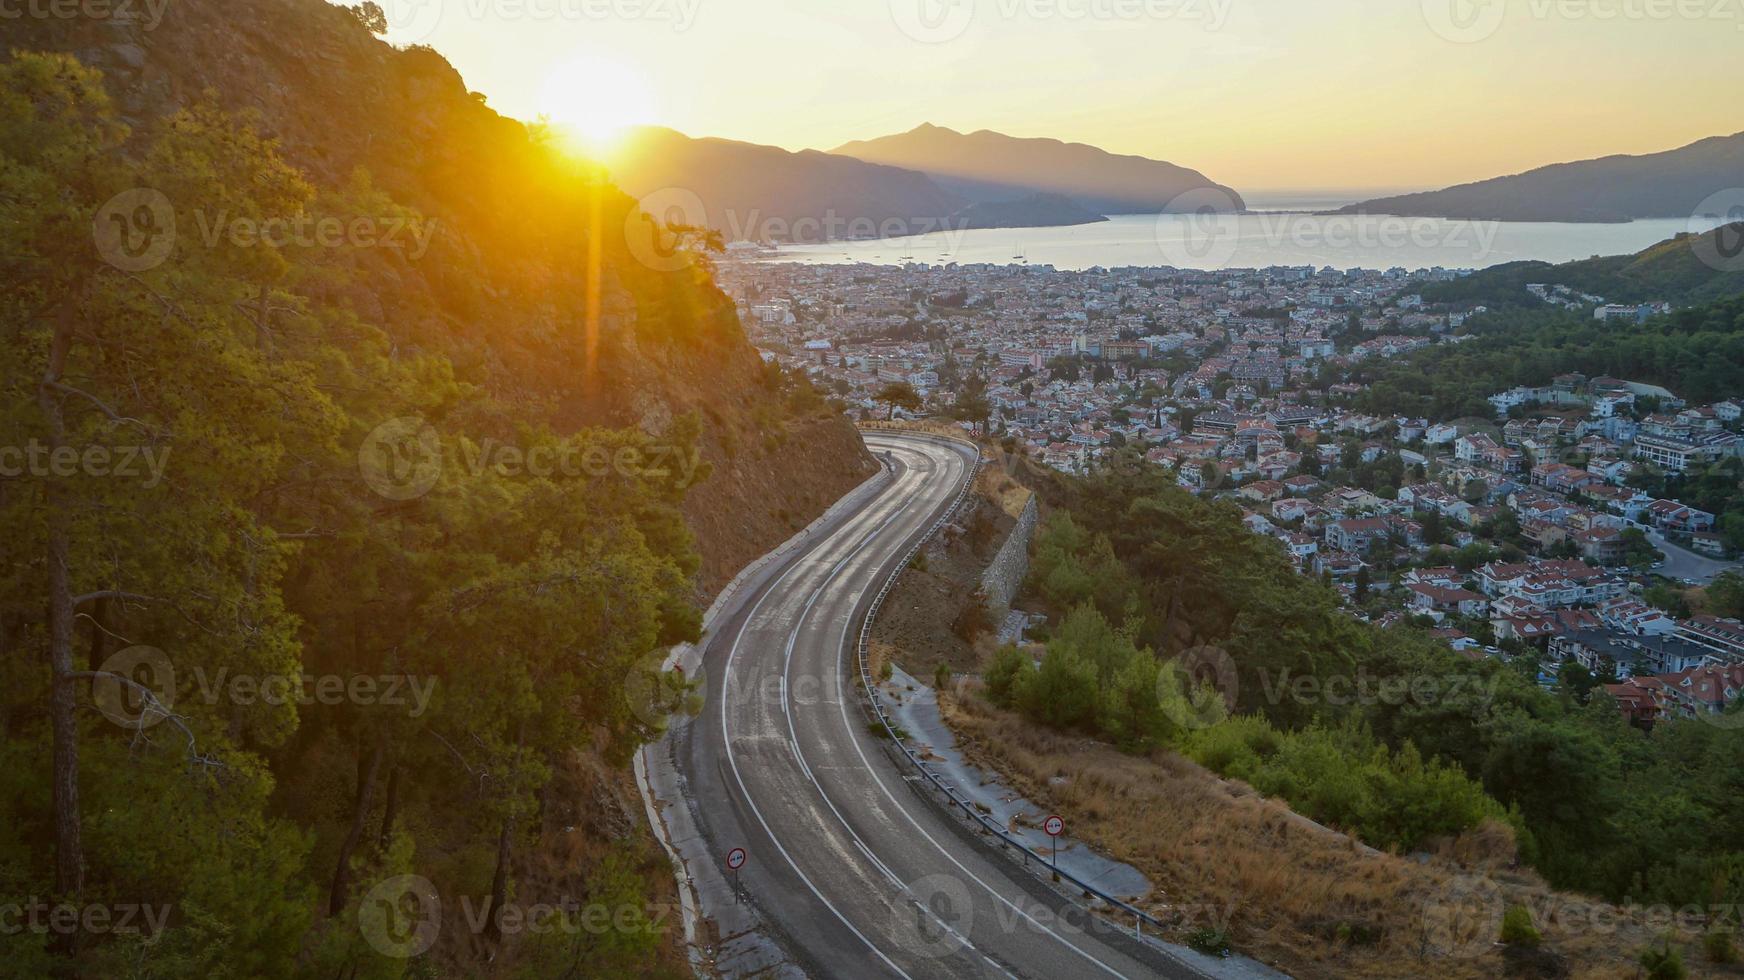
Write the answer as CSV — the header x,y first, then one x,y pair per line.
x,y
530,282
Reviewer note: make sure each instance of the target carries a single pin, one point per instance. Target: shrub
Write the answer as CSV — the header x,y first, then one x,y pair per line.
x,y
1006,674
1517,928
1720,948
1211,942
1663,963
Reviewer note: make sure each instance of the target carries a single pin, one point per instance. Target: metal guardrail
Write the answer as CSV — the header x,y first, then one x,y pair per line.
x,y
958,800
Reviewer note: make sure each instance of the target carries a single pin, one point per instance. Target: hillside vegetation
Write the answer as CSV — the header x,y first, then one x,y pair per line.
x,y
1129,560
412,495
1685,269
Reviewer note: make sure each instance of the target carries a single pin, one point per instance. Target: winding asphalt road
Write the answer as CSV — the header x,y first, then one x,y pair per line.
x,y
860,874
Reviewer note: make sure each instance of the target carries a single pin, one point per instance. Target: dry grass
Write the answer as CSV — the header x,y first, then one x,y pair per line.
x,y
1306,899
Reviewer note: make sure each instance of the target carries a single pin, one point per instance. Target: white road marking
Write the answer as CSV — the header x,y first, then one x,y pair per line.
x,y
848,727
727,743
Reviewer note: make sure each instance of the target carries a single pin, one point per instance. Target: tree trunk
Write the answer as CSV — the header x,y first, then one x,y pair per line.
x,y
63,692
368,768
69,847
493,929
392,810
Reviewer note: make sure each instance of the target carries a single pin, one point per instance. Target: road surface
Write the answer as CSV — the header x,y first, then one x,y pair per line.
x,y
1684,565
859,874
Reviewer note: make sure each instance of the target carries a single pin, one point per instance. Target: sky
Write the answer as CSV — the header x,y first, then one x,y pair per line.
x,y
1263,95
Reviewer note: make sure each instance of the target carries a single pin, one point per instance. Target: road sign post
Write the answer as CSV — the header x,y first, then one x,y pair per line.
x,y
1054,827
735,861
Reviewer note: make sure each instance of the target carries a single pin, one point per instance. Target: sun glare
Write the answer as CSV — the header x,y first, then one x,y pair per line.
x,y
595,100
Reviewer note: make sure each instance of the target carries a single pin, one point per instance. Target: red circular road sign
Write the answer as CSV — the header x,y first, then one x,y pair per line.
x,y
736,858
1054,826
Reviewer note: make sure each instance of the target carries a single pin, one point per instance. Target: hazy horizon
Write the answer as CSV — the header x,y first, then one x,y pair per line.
x,y
1214,85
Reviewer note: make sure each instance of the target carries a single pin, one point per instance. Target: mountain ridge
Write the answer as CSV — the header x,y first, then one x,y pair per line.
x,y
986,165
1616,188
759,192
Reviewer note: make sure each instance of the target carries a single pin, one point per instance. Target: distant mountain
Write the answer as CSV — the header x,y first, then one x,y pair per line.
x,y
1684,270
987,166
1035,211
1615,188
765,193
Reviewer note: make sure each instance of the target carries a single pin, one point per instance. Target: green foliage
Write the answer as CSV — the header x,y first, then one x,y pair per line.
x,y
1719,947
1595,804
1698,352
1344,778
1210,941
1517,927
1663,962
898,394
525,601
1726,596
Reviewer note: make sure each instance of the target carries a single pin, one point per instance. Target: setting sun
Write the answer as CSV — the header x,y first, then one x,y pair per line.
x,y
596,100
